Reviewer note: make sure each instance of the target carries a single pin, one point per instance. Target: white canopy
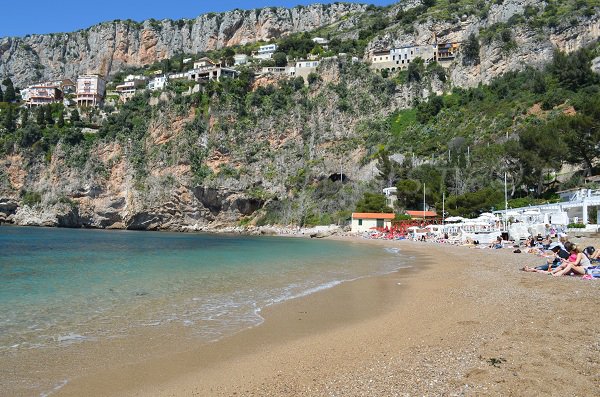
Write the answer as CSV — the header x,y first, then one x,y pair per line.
x,y
413,228
455,219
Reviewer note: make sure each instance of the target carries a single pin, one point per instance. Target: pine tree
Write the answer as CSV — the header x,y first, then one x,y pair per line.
x,y
1,94
24,117
9,94
48,116
61,120
8,122
471,51
39,117
75,116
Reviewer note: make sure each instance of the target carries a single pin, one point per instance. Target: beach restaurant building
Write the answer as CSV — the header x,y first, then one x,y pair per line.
x,y
420,214
365,221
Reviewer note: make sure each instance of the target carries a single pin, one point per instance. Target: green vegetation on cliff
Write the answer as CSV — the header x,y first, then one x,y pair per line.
x,y
290,151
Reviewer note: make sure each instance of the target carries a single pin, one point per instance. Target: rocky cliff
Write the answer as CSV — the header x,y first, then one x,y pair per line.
x,y
110,46
530,46
229,156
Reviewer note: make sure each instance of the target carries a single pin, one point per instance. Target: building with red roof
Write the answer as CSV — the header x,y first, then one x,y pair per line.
x,y
365,221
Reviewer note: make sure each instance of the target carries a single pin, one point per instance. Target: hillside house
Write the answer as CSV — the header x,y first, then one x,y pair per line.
x,y
266,51
391,196
90,90
206,69
305,67
446,52
240,59
67,86
127,90
380,57
399,58
157,83
40,95
402,56
366,221
279,71
47,92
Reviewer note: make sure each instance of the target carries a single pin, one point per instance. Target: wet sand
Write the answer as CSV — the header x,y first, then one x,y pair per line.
x,y
462,321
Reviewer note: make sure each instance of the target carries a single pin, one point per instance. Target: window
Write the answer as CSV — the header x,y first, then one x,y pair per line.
x,y
380,222
360,222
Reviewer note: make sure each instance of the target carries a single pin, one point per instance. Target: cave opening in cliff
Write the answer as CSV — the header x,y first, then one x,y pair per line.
x,y
338,177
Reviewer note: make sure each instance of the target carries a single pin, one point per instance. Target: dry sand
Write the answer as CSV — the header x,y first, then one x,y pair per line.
x,y
462,321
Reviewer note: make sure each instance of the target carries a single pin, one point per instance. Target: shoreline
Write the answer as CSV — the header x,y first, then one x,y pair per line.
x,y
279,328
451,326
460,321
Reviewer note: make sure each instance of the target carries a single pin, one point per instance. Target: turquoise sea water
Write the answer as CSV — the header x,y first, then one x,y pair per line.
x,y
62,286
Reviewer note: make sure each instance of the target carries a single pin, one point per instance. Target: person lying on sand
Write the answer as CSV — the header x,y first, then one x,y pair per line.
x,y
592,253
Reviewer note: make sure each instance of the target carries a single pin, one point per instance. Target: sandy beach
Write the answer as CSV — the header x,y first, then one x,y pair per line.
x,y
461,321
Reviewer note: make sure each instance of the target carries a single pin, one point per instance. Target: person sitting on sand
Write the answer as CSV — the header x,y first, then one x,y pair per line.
x,y
498,243
557,255
547,243
530,242
577,264
562,239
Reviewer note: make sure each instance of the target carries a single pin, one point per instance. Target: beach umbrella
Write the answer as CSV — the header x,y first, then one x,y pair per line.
x,y
455,219
413,228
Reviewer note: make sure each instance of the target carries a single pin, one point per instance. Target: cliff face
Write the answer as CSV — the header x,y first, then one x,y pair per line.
x,y
110,46
532,48
275,155
260,152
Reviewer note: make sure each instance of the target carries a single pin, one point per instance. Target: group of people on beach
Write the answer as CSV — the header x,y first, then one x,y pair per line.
x,y
566,258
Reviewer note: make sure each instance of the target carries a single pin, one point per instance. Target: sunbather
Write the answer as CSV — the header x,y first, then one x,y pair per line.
x,y
498,243
553,262
577,264
593,253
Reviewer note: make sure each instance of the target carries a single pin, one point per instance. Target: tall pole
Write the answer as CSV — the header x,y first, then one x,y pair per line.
x,y
423,203
443,208
505,204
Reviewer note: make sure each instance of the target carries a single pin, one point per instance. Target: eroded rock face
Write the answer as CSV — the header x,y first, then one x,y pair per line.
x,y
168,198
110,46
8,208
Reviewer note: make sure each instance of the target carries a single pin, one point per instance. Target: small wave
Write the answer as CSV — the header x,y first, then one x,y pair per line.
x,y
55,388
152,324
306,292
392,250
71,337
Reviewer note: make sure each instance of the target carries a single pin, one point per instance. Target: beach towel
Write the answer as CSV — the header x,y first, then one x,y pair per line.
x,y
593,271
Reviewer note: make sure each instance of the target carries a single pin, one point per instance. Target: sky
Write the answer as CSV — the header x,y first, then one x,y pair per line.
x,y
21,17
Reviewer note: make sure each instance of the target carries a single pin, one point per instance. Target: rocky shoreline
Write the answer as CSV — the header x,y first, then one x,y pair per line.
x,y
65,216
